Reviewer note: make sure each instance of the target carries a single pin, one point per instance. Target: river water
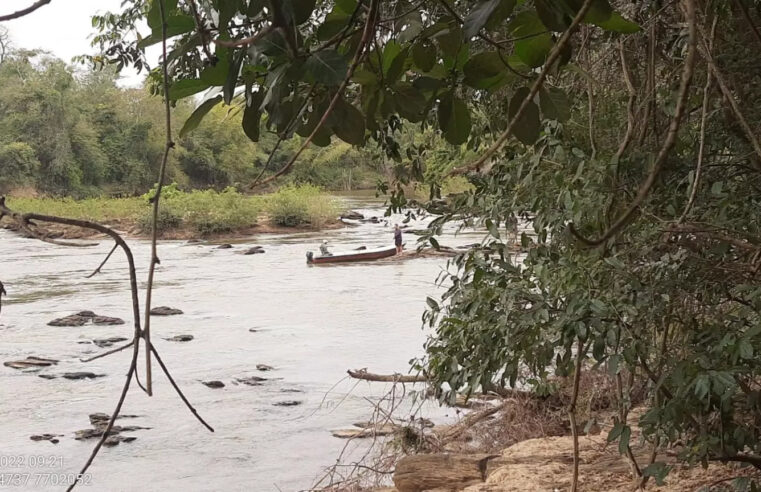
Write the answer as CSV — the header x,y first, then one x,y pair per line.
x,y
312,324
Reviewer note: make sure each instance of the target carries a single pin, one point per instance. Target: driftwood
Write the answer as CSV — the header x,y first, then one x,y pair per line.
x,y
420,472
386,378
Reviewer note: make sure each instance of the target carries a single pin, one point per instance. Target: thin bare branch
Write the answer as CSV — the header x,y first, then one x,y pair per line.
x,y
97,270
178,390
156,199
702,138
387,378
244,41
109,352
23,12
669,142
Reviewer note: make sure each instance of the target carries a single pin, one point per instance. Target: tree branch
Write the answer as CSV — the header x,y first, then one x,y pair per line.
x,y
97,270
386,378
368,30
554,55
668,144
23,12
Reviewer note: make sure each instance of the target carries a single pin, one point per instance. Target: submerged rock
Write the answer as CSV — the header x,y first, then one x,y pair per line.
x,y
100,420
214,384
165,311
288,403
84,317
53,438
180,338
107,320
224,246
73,375
256,250
193,241
73,320
352,215
107,342
264,367
253,330
251,381
361,248
29,362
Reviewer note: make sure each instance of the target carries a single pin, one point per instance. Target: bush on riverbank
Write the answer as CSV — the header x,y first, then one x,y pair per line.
x,y
296,205
201,212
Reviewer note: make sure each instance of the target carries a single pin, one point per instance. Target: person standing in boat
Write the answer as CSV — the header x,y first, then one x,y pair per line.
x,y
398,239
324,249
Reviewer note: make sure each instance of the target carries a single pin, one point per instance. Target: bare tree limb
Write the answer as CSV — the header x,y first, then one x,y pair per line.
x,y
386,378
179,391
97,270
109,352
535,88
244,41
155,200
369,29
23,12
702,138
669,142
727,92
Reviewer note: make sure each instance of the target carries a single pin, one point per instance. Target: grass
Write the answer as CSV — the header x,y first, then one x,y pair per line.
x,y
203,212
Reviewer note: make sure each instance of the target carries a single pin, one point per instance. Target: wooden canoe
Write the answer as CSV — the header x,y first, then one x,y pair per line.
x,y
347,256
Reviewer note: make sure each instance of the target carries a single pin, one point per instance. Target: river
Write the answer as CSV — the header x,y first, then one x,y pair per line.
x,y
311,324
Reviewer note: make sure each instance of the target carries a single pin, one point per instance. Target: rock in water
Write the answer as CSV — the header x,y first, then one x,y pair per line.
x,y
107,342
224,246
84,317
30,362
165,311
53,438
73,320
288,403
214,384
81,375
361,248
180,338
107,320
251,381
256,250
264,367
352,215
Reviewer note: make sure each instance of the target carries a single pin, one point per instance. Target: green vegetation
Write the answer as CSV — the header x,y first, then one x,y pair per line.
x,y
201,212
620,135
292,206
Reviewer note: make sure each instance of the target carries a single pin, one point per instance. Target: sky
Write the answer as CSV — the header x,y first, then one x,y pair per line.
x,y
62,27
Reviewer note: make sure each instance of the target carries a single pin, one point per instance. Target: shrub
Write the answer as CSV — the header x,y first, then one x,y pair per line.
x,y
306,204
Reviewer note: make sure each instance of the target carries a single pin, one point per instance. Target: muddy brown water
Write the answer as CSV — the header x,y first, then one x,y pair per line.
x,y
312,324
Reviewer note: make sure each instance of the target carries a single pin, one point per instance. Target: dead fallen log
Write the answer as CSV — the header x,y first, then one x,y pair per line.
x,y
420,472
386,378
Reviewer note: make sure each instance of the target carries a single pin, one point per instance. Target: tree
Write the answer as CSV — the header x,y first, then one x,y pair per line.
x,y
631,146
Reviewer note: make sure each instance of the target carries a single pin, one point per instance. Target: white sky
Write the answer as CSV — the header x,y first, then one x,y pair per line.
x,y
62,27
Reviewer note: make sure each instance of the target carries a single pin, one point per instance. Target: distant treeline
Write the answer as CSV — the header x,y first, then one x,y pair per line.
x,y
75,133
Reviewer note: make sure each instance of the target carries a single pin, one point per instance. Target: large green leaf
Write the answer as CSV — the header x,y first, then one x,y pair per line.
x,y
390,52
298,11
217,74
535,43
554,104
555,15
454,119
228,90
424,55
327,67
480,14
197,116
333,24
485,70
450,40
176,25
252,116
410,102
185,88
617,23
153,14
528,126
348,123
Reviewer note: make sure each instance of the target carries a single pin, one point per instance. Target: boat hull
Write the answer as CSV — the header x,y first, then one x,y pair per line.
x,y
351,256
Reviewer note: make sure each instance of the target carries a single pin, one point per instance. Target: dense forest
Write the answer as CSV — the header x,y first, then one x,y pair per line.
x,y
68,131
